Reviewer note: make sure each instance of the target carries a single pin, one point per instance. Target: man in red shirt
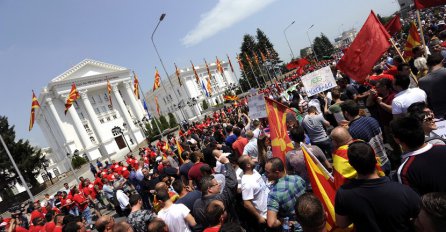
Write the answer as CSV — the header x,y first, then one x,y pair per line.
x,y
194,173
240,143
37,212
82,204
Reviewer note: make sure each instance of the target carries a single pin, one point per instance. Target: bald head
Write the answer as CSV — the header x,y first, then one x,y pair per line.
x,y
340,136
161,185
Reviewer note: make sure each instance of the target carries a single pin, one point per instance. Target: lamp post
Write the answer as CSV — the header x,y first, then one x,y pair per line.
x,y
118,130
162,63
311,44
284,32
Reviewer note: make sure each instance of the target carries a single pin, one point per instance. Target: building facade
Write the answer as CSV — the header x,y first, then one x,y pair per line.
x,y
190,94
93,127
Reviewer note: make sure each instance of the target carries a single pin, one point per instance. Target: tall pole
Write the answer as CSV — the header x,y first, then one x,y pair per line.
x,y
311,44
147,110
253,73
17,169
236,77
243,69
284,32
162,63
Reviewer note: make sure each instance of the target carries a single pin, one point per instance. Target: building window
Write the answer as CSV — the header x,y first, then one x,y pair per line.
x,y
92,139
105,97
179,92
104,108
82,115
44,177
92,100
115,133
114,116
100,99
86,126
101,120
98,111
110,107
56,172
85,157
108,119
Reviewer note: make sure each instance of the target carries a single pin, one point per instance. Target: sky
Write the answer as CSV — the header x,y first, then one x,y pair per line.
x,y
41,39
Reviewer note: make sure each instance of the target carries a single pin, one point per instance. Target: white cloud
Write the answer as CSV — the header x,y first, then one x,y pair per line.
x,y
225,14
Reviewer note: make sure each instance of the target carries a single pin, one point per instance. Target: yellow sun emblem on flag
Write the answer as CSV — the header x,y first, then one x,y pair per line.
x,y
280,139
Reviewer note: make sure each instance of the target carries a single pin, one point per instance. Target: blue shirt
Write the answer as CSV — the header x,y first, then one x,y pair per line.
x,y
230,140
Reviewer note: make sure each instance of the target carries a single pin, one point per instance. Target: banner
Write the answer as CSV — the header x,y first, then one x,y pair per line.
x,y
257,107
318,81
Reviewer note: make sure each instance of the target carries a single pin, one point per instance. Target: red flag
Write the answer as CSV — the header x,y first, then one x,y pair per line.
x,y
177,72
109,89
421,4
157,82
207,69
322,185
240,63
180,151
135,86
280,141
369,45
72,97
394,25
263,57
219,67
230,63
413,40
34,105
197,79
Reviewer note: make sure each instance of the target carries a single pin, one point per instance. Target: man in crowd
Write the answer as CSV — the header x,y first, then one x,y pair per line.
x,y
216,215
139,218
314,124
433,84
176,216
371,202
186,196
433,212
406,96
239,143
251,147
310,213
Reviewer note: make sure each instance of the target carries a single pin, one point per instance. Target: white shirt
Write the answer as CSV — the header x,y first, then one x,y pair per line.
x,y
254,189
174,217
257,133
251,148
122,198
405,98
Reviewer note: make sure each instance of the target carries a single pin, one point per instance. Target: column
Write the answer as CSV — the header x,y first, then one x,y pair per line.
x,y
55,115
123,108
82,134
133,102
58,149
93,117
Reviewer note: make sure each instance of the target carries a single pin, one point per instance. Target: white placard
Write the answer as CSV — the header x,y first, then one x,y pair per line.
x,y
257,106
441,128
318,81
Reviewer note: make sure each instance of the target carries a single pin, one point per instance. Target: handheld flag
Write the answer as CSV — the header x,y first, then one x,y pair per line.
x,y
322,184
197,79
135,86
157,106
394,25
109,89
230,63
180,151
72,97
280,141
413,40
369,45
34,105
421,4
156,83
219,67
230,98
177,72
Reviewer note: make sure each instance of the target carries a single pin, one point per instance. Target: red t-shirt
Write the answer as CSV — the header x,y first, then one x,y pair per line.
x,y
212,229
239,145
81,201
125,173
90,191
381,76
194,172
20,229
99,183
57,229
36,214
49,226
36,229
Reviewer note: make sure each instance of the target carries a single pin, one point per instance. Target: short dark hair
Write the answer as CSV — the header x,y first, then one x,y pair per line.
x,y
409,131
178,185
310,212
228,129
402,81
434,59
49,216
162,195
416,110
297,134
156,225
195,156
243,162
231,227
351,107
237,131
276,164
312,109
361,157
134,198
434,204
206,170
71,218
214,212
205,184
401,66
416,49
386,82
71,227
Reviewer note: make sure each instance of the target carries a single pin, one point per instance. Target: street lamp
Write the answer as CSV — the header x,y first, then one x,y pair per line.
x,y
118,130
284,32
311,44
162,63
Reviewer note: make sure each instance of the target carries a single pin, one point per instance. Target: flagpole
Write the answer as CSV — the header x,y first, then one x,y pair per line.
x,y
236,77
253,73
421,29
258,66
243,70
17,169
401,55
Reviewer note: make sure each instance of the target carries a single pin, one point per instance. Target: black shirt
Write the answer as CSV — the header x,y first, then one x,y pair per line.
x,y
377,204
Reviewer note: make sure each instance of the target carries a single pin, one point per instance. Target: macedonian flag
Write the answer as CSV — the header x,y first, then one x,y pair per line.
x,y
177,72
34,105
135,86
109,89
280,141
230,63
72,97
219,67
240,63
197,79
157,82
157,106
413,40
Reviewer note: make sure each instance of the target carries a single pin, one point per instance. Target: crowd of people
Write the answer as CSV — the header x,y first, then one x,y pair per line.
x,y
377,138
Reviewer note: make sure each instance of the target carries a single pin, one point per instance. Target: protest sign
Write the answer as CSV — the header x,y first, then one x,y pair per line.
x,y
318,81
257,106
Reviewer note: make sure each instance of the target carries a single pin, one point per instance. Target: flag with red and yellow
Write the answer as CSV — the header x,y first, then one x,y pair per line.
x,y
157,82
177,72
262,56
72,97
230,63
280,141
180,151
240,63
109,89
157,105
219,67
34,105
207,69
197,78
135,86
413,40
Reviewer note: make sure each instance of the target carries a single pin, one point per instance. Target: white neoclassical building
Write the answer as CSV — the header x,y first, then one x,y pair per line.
x,y
88,125
190,94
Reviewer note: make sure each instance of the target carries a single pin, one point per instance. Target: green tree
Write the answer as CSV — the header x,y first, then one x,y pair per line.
x,y
265,47
148,129
164,124
78,161
29,159
322,46
251,71
155,130
172,121
205,105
